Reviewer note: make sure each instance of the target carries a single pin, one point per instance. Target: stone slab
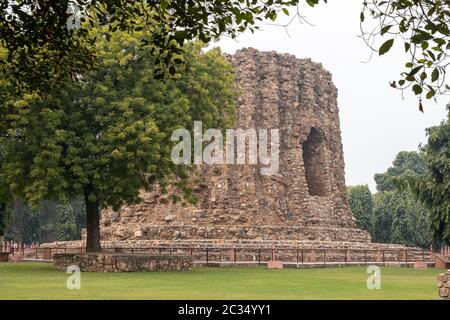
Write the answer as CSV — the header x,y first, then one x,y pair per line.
x,y
121,262
420,265
274,264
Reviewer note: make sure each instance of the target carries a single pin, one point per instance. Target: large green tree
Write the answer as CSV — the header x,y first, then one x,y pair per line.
x,y
107,136
399,218
360,201
66,227
406,163
433,187
3,218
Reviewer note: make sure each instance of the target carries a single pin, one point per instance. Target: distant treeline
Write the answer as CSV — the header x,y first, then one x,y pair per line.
x,y
392,215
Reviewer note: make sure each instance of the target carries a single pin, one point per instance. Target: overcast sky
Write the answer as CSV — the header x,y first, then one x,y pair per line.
x,y
376,122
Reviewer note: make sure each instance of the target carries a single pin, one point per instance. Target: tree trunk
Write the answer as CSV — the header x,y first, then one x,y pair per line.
x,y
93,222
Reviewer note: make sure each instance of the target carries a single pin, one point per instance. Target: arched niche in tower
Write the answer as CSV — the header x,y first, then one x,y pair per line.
x,y
314,158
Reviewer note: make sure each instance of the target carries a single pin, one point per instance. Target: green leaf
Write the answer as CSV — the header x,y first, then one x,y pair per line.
x,y
385,47
385,29
415,70
435,75
407,46
312,3
430,94
417,89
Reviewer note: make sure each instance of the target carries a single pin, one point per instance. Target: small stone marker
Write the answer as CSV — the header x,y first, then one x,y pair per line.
x,y
274,264
420,265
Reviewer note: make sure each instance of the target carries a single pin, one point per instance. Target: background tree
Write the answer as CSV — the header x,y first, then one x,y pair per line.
x,y
397,215
406,163
108,136
433,187
23,225
44,223
67,227
382,217
360,200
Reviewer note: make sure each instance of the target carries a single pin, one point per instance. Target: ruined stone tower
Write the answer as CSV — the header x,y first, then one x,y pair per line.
x,y
306,200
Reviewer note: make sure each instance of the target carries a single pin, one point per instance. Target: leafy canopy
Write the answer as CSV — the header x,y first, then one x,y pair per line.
x,y
433,187
398,217
423,29
43,50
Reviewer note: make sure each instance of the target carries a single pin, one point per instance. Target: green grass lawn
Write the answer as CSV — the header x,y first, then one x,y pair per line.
x,y
41,281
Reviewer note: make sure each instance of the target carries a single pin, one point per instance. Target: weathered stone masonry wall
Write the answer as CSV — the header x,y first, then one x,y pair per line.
x,y
307,200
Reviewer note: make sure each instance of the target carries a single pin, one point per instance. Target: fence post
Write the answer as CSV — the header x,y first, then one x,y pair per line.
x,y
324,256
297,256
207,257
406,256
345,257
384,263
36,249
259,257
303,260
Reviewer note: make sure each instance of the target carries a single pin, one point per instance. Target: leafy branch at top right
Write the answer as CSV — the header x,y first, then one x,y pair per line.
x,y
422,27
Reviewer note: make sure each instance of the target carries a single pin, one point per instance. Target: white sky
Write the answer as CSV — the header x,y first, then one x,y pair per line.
x,y
376,122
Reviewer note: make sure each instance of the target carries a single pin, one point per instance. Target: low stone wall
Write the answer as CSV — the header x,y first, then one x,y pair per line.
x,y
443,285
120,262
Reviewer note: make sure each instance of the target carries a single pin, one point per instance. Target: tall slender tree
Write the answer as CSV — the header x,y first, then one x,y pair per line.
x,y
360,201
433,187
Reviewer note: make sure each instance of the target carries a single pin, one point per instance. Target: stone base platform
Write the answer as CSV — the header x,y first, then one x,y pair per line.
x,y
246,232
121,262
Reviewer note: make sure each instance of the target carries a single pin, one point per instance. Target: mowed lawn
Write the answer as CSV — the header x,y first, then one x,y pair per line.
x,y
41,281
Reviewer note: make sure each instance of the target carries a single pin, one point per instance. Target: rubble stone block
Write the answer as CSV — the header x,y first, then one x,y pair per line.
x,y
121,262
